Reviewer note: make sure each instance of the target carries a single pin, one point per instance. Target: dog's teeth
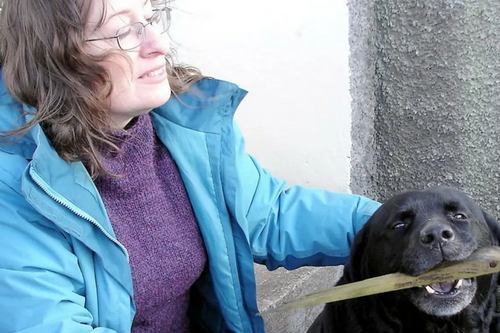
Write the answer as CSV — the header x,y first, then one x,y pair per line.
x,y
459,283
429,290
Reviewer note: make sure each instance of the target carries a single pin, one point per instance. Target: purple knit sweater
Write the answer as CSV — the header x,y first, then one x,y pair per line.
x,y
152,217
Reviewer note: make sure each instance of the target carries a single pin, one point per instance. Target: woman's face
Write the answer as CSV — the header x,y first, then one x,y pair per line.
x,y
139,75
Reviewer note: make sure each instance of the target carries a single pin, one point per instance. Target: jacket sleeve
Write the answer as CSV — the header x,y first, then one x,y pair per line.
x,y
295,226
41,286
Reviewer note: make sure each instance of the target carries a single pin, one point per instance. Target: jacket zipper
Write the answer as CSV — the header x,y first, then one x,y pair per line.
x,y
41,183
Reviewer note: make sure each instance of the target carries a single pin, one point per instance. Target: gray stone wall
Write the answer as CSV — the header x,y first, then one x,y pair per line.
x,y
426,92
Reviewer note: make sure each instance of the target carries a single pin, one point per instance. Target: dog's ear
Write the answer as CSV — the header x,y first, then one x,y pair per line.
x,y
493,225
356,268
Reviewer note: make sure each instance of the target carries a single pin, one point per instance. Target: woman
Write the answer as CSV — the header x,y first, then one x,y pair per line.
x,y
124,208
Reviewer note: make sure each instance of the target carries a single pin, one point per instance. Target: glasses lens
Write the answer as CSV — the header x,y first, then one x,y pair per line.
x,y
130,36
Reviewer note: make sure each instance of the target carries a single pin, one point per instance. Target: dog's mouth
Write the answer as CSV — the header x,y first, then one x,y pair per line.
x,y
445,288
445,298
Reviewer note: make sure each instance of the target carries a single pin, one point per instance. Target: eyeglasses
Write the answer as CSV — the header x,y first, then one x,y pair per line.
x,y
132,35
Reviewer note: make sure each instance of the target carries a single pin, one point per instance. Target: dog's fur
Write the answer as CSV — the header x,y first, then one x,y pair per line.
x,y
412,233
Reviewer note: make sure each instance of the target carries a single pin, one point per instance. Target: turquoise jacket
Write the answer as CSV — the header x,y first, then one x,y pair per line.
x,y
63,270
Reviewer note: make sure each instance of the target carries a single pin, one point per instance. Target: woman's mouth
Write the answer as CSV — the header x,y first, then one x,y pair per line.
x,y
154,73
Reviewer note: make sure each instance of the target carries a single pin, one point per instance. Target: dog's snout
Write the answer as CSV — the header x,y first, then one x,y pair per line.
x,y
436,233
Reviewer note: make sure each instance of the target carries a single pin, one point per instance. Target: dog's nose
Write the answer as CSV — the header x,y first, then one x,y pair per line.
x,y
436,233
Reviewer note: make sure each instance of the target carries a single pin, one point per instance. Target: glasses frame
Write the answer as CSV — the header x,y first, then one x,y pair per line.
x,y
142,30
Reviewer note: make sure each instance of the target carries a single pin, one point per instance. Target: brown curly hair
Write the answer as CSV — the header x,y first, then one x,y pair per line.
x,y
45,66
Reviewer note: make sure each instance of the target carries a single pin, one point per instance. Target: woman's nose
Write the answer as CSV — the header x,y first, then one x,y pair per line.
x,y
155,43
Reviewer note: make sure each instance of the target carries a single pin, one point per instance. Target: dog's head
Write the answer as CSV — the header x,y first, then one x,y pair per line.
x,y
413,232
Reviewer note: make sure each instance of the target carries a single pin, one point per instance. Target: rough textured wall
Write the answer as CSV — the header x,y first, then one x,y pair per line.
x,y
362,60
432,95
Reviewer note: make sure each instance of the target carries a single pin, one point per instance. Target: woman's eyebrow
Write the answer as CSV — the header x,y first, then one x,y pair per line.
x,y
122,12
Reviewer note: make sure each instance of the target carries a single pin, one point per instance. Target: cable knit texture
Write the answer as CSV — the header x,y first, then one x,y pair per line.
x,y
152,217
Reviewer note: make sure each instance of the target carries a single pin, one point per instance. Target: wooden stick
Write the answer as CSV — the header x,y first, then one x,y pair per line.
x,y
483,261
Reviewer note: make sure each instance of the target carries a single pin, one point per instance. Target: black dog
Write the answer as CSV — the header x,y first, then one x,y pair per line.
x,y
411,233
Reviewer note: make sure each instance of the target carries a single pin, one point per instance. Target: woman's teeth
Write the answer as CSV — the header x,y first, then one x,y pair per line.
x,y
154,73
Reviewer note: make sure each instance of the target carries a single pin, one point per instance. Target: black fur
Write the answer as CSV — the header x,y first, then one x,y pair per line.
x,y
411,233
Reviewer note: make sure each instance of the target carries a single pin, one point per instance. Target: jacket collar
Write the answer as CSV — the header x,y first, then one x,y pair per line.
x,y
200,109
10,118
203,106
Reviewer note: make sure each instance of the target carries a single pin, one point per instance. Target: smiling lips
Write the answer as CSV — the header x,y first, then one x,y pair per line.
x,y
153,73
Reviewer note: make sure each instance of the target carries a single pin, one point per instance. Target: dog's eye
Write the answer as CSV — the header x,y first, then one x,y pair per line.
x,y
398,225
460,216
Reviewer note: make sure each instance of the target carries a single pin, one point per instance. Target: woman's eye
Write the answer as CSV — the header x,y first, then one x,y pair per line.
x,y
459,216
124,32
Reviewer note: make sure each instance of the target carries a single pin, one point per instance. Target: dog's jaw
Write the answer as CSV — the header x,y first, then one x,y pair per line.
x,y
444,304
448,299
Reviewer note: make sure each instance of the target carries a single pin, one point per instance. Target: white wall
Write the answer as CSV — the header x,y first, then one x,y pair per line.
x,y
292,57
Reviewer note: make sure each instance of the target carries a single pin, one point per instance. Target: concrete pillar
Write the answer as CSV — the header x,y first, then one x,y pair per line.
x,y
426,96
